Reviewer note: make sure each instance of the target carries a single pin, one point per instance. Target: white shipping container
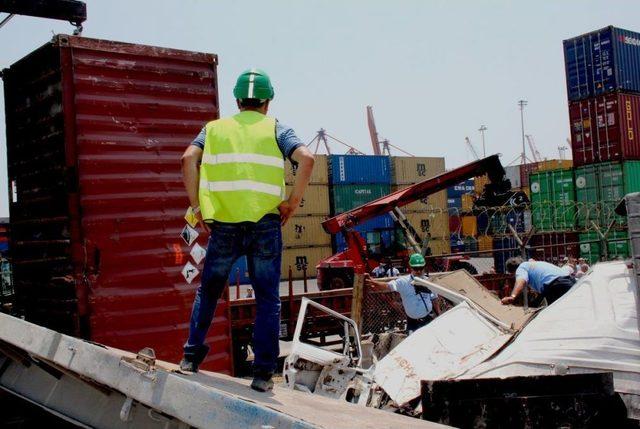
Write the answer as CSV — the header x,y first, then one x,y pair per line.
x,y
513,174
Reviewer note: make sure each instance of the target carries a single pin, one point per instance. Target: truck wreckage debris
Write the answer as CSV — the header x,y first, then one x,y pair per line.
x,y
589,334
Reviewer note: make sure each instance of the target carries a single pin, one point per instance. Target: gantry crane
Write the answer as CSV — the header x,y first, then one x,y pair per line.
x,y
534,150
376,142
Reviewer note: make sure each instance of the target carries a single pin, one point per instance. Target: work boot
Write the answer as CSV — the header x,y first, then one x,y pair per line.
x,y
188,366
262,381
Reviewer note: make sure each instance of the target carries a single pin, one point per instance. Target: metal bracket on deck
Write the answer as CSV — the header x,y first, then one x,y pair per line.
x,y
145,362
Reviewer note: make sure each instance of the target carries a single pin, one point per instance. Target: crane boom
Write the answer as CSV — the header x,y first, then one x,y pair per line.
x,y
375,143
534,150
489,165
473,149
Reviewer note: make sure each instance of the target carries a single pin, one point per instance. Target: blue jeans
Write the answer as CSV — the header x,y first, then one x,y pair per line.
x,y
261,242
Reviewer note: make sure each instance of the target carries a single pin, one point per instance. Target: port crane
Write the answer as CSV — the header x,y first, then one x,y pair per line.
x,y
376,143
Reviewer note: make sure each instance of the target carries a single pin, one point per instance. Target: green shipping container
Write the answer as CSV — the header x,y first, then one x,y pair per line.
x,y
553,200
587,196
346,197
617,246
600,187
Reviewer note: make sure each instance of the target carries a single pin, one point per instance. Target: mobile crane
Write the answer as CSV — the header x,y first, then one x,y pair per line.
x,y
340,270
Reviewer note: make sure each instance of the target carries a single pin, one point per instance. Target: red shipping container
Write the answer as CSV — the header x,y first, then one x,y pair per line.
x,y
553,247
455,224
525,171
95,131
605,128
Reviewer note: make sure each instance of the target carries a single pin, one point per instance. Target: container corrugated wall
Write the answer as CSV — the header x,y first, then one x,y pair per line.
x,y
100,202
346,197
553,200
591,246
605,128
599,188
298,258
319,175
434,202
554,246
407,170
602,61
358,169
305,231
315,201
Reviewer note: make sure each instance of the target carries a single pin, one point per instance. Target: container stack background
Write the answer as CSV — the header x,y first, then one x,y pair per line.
x,y
428,216
342,182
603,88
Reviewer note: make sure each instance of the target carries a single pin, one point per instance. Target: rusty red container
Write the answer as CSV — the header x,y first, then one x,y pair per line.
x,y
95,131
605,128
554,246
525,171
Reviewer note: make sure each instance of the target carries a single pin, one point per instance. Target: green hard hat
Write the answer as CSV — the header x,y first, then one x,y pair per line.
x,y
417,261
253,83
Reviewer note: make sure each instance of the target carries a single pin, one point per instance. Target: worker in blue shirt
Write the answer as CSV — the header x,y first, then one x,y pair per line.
x,y
418,303
550,281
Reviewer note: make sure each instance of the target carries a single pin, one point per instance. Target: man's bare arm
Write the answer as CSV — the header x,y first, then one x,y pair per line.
x,y
517,288
191,177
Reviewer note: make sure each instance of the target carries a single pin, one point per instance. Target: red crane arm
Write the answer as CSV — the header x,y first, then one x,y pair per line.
x,y
489,165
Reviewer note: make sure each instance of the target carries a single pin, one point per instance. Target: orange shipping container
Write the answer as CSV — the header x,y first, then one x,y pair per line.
x,y
305,231
319,175
298,258
479,182
555,164
485,243
467,202
314,202
469,226
408,170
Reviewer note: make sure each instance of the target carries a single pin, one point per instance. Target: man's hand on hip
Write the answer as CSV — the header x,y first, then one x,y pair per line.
x,y
286,210
202,223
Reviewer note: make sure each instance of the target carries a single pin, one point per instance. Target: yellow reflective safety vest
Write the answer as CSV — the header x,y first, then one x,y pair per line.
x,y
242,169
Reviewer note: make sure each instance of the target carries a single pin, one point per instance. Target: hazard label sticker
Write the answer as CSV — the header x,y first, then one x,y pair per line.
x,y
190,217
189,272
189,235
198,253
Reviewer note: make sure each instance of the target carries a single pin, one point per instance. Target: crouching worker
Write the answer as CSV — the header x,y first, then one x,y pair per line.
x,y
550,281
418,304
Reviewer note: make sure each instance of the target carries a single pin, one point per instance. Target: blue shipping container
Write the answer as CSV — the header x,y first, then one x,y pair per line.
x,y
456,242
460,189
239,267
500,256
602,61
355,169
454,203
379,233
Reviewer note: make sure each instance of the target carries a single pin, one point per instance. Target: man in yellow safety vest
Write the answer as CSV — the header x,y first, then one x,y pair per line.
x,y
234,176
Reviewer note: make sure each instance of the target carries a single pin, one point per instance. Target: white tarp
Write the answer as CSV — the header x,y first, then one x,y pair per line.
x,y
454,342
593,328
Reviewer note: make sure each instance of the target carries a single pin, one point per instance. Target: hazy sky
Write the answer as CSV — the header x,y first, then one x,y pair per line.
x,y
433,70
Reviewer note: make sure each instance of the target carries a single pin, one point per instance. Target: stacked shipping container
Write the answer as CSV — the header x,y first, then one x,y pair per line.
x,y
603,86
305,242
428,216
356,180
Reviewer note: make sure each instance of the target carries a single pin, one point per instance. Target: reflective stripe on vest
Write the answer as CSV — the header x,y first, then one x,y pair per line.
x,y
242,169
